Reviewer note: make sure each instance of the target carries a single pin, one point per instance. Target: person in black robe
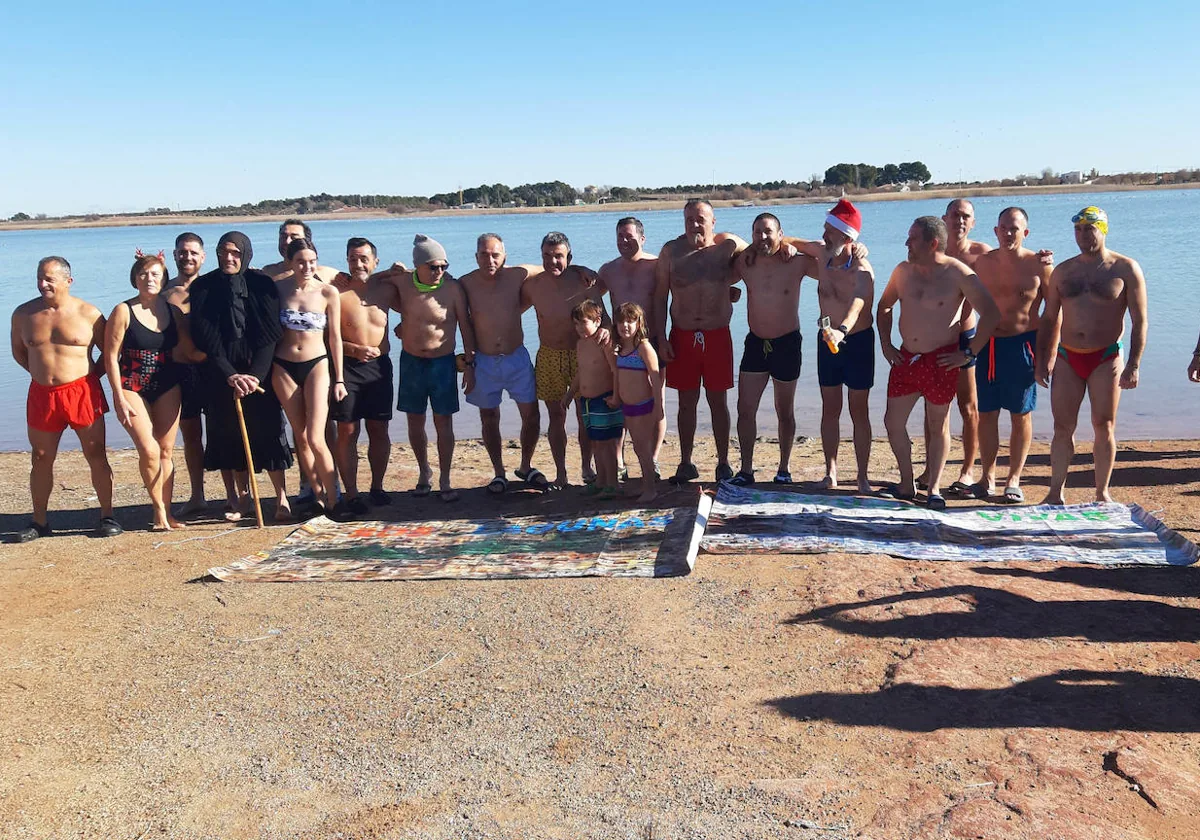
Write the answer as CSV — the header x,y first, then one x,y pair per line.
x,y
235,320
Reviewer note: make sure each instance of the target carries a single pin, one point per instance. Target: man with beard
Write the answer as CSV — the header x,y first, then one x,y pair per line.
x,y
290,230
845,294
189,259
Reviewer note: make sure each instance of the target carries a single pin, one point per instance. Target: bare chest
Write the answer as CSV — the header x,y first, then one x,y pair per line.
x,y
705,267
1100,284
56,328
426,308
936,294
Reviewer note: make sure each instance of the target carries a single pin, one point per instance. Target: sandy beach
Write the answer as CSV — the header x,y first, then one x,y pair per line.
x,y
185,219
759,697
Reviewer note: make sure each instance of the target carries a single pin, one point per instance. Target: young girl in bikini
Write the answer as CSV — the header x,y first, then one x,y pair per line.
x,y
139,340
310,312
638,387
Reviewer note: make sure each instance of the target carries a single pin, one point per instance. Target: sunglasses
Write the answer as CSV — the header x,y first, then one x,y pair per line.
x,y
438,268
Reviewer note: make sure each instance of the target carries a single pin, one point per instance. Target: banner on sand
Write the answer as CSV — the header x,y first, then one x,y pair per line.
x,y
745,521
638,543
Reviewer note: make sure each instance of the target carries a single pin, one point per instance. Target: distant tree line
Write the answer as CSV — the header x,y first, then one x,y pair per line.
x,y
865,176
847,178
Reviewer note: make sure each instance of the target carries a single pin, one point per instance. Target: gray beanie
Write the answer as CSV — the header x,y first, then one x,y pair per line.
x,y
426,250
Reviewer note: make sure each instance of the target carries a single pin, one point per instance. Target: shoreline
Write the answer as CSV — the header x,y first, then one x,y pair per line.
x,y
186,219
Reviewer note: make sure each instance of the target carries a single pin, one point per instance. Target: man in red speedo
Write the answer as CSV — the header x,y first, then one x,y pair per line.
x,y
1080,346
930,288
52,338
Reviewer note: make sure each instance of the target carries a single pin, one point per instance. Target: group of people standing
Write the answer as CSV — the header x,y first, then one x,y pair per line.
x,y
310,342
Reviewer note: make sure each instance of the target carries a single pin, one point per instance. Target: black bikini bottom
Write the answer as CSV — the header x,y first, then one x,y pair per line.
x,y
299,371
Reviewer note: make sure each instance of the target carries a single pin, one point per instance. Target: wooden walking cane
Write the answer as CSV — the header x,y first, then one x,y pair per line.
x,y
237,401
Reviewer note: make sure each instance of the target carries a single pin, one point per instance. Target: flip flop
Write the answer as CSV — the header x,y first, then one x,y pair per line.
x,y
1015,495
422,489
935,502
979,491
783,478
498,486
892,491
960,488
534,478
742,479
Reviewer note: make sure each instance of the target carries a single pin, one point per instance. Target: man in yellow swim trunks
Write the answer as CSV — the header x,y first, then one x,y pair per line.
x,y
553,294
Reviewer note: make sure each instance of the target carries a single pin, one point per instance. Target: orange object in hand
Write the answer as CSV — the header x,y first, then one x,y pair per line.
x,y
827,335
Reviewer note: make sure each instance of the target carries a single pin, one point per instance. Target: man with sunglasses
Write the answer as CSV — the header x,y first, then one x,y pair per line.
x,y
432,306
1079,346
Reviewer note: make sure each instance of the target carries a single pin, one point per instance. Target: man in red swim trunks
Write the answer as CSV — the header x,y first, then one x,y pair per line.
x,y
52,338
1086,299
693,270
930,288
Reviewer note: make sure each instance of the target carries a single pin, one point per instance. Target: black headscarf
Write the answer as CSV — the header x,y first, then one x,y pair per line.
x,y
235,316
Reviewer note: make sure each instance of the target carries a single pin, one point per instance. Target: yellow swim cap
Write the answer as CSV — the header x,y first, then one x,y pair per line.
x,y
1092,216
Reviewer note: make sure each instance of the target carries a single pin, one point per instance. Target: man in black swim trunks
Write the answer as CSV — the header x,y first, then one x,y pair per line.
x,y
846,295
772,349
368,373
189,260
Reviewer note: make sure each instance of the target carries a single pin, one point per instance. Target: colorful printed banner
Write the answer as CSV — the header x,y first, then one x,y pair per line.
x,y
747,521
638,543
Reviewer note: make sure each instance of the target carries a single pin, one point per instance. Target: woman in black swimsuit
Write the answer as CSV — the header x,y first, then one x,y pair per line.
x,y
139,339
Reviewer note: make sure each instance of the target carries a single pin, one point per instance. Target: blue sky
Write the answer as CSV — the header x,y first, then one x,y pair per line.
x,y
122,106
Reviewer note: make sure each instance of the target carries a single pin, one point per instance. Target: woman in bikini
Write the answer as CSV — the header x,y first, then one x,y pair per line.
x,y
638,386
139,340
310,312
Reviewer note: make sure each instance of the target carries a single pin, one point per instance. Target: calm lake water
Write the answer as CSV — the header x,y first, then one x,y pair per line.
x,y
1163,406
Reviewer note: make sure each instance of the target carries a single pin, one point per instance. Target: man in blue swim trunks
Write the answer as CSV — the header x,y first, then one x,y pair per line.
x,y
1004,374
432,306
846,295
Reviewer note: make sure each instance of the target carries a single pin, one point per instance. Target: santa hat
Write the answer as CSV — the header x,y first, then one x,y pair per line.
x,y
846,218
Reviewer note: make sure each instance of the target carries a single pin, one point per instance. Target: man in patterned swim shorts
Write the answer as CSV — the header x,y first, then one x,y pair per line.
x,y
930,288
52,338
554,294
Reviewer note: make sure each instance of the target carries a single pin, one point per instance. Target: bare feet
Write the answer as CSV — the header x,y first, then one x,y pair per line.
x,y
174,523
829,482
283,512
864,487
1103,496
560,481
1054,499
648,496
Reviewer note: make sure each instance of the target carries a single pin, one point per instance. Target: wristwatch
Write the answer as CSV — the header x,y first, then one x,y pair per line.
x,y
970,354
844,329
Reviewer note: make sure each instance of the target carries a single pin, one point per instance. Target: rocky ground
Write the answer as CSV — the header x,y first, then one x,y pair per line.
x,y
819,696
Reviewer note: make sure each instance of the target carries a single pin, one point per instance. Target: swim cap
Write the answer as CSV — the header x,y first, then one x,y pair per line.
x,y
1092,216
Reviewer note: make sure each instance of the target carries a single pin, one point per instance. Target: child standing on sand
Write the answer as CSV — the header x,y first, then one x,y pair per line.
x,y
639,389
594,384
